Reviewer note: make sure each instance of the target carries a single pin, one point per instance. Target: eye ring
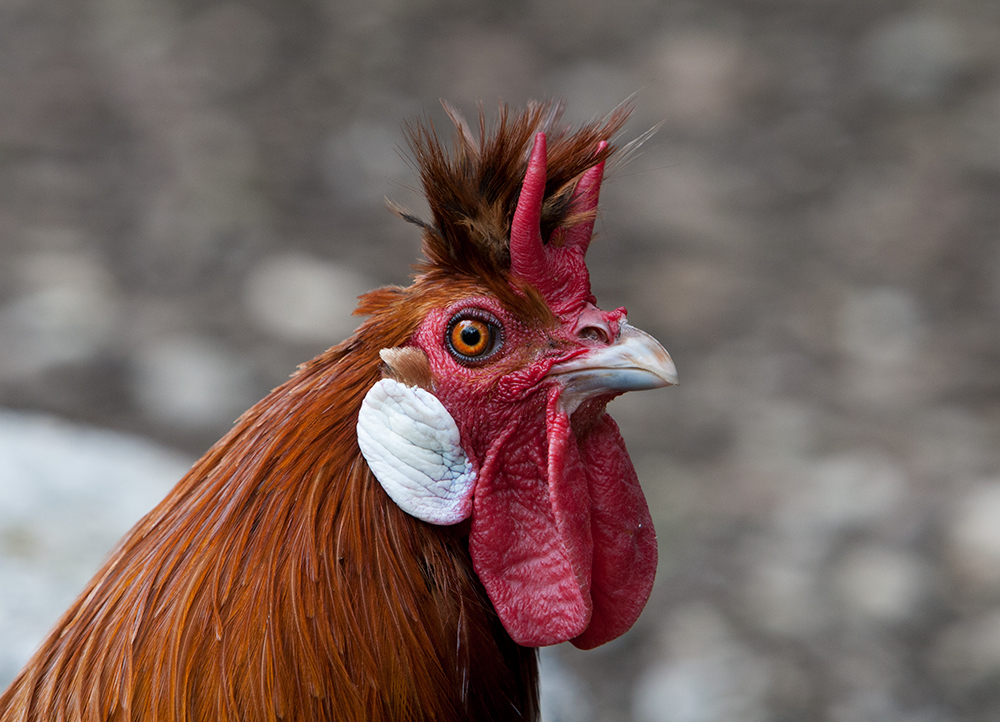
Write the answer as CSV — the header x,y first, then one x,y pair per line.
x,y
473,336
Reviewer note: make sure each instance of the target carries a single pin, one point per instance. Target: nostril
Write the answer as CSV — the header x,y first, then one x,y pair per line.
x,y
592,325
594,333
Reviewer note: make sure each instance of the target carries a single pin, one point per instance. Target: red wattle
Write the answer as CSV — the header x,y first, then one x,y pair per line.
x,y
561,536
624,539
533,559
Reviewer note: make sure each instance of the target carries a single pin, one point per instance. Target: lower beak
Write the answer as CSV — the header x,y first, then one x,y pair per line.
x,y
634,362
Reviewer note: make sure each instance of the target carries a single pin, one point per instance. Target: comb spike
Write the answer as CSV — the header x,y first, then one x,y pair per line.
x,y
527,256
585,198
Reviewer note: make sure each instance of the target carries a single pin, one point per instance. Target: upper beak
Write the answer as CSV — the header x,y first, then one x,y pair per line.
x,y
634,362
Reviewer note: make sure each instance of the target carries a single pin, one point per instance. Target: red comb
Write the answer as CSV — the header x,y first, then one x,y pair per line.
x,y
558,270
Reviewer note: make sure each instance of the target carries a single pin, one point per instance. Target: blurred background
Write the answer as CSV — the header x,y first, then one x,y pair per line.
x,y
191,197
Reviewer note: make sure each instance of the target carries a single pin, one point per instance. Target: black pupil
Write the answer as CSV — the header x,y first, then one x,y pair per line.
x,y
471,336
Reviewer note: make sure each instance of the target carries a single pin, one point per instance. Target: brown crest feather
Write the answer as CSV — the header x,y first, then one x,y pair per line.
x,y
473,190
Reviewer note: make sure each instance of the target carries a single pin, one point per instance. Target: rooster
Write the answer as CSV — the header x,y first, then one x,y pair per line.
x,y
392,533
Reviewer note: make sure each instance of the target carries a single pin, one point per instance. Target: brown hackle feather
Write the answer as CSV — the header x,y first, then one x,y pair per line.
x,y
277,580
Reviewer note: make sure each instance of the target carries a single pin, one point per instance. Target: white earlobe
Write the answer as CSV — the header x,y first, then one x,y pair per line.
x,y
413,447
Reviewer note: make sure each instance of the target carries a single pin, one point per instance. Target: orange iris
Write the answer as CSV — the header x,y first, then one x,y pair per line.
x,y
471,337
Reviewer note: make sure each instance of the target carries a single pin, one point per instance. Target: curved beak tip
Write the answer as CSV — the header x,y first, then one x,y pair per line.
x,y
668,371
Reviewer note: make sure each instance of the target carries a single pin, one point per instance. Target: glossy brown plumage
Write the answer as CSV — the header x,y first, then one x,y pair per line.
x,y
277,580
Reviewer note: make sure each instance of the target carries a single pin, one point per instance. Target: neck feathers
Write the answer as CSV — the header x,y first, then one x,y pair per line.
x,y
277,579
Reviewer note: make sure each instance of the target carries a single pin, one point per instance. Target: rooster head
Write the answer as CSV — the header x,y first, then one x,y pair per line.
x,y
491,413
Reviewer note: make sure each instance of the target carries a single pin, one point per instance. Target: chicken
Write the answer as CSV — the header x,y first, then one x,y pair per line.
x,y
391,533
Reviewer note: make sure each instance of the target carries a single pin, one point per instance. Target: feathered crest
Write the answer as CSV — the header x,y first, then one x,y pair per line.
x,y
474,191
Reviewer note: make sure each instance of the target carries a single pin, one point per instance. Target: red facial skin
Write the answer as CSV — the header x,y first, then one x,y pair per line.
x,y
561,536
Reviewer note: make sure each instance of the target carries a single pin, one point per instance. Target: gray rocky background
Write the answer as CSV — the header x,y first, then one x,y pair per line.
x,y
191,198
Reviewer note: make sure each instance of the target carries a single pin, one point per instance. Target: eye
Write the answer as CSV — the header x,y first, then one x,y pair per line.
x,y
474,335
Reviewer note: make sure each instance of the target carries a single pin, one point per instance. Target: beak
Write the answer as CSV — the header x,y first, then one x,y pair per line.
x,y
634,362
